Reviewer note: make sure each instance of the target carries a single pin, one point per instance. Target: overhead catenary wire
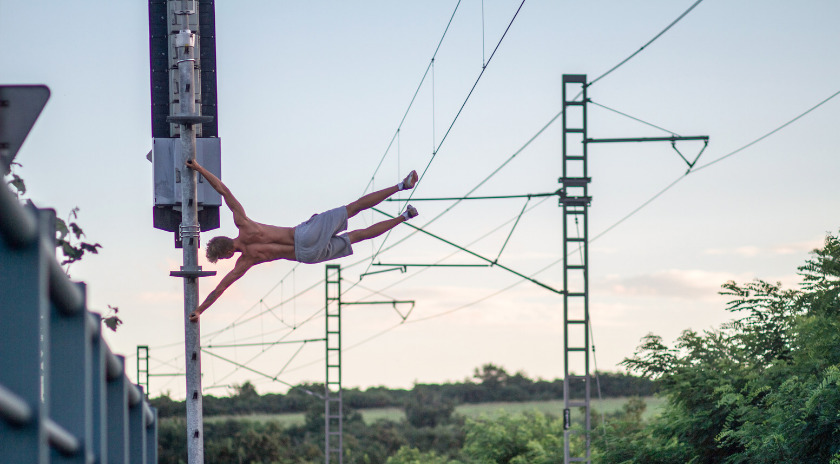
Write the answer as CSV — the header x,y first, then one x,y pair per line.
x,y
243,366
413,98
620,64
455,119
496,197
547,287
633,118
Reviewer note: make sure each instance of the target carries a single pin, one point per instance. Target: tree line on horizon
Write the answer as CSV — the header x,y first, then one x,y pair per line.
x,y
490,383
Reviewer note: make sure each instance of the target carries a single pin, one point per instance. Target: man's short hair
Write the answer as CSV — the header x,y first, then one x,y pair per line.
x,y
217,247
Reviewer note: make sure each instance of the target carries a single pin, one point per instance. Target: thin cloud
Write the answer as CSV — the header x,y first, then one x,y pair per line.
x,y
779,249
671,283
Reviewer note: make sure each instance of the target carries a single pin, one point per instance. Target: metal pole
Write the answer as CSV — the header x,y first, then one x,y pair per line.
x,y
575,201
333,407
189,233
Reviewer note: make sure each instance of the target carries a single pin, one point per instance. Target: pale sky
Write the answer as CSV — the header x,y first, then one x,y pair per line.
x,y
310,95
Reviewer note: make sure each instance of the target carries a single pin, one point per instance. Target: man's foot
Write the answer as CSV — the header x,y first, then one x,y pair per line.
x,y
409,181
194,316
410,212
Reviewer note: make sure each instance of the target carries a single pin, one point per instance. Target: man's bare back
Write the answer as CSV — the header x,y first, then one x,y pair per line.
x,y
263,242
259,243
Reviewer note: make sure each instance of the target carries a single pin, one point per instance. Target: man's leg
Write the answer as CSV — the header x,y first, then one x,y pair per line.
x,y
375,230
372,199
381,227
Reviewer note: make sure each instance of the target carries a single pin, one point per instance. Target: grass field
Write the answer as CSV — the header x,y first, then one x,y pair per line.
x,y
469,410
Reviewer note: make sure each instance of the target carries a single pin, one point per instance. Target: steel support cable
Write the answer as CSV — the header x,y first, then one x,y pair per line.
x,y
497,228
512,229
769,133
310,318
414,97
454,120
598,380
592,336
292,358
279,342
236,321
645,45
242,366
683,176
633,118
379,293
493,197
271,308
265,350
547,287
250,360
284,329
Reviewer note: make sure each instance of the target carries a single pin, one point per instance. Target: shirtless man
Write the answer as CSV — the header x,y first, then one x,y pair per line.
x,y
313,241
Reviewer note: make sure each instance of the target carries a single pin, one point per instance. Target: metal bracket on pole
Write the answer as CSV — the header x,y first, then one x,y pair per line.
x,y
191,273
188,119
673,139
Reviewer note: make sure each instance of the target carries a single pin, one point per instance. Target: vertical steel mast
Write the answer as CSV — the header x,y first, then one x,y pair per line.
x,y
189,233
182,54
333,409
574,200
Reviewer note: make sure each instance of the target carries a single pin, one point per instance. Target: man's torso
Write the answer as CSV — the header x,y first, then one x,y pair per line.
x,y
263,242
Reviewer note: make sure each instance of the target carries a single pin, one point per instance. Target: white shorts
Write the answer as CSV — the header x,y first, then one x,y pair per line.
x,y
316,240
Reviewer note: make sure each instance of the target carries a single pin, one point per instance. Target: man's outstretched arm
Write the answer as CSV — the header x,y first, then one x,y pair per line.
x,y
239,216
238,271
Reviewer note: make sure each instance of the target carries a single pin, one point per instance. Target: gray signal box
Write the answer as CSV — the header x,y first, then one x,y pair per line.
x,y
168,168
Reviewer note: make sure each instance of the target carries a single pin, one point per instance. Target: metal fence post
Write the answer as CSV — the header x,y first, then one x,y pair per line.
x,y
152,439
99,391
137,427
24,308
117,430
70,374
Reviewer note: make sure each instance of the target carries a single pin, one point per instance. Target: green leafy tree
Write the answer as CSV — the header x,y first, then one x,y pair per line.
x,y
530,438
426,408
408,455
764,388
